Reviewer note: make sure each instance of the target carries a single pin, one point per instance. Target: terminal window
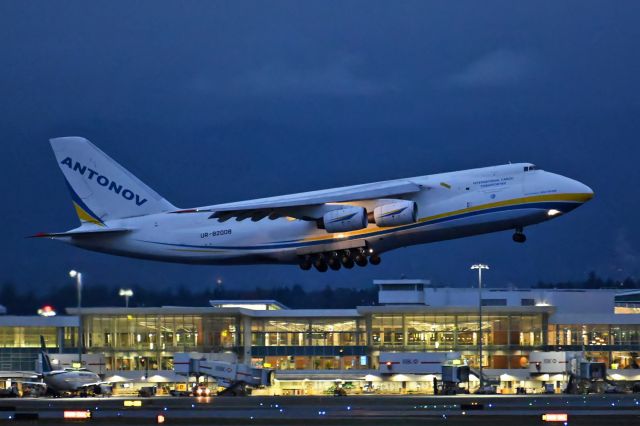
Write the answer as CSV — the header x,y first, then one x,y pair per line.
x,y
527,302
494,302
401,287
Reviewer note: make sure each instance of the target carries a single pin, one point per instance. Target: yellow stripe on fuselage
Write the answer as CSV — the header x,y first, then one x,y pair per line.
x,y
578,198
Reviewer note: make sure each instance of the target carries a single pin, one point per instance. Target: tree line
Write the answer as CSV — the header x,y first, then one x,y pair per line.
x,y
27,302
98,295
593,281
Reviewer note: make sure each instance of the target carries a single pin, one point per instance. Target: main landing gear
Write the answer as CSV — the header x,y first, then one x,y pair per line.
x,y
340,258
519,236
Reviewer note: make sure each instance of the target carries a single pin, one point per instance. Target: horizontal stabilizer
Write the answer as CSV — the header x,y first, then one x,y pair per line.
x,y
78,233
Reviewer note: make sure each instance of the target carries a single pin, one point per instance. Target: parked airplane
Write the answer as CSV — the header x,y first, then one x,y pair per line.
x,y
327,229
67,380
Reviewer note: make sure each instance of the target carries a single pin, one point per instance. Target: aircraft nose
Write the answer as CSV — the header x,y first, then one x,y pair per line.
x,y
583,192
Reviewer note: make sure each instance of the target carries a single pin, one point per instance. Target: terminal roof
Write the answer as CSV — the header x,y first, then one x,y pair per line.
x,y
260,305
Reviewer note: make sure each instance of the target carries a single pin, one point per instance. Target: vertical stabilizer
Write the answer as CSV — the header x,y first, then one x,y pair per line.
x,y
102,189
46,361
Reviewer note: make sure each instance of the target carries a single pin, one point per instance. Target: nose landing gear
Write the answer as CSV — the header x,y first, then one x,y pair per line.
x,y
519,236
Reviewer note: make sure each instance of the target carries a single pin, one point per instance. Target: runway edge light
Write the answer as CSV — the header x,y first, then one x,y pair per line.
x,y
555,417
77,414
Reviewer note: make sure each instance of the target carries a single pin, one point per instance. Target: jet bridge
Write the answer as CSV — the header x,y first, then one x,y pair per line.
x,y
583,375
235,377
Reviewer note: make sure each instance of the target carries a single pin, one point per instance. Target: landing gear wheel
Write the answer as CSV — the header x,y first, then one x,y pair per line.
x,y
334,263
347,262
346,259
322,267
519,237
361,260
305,263
374,259
320,264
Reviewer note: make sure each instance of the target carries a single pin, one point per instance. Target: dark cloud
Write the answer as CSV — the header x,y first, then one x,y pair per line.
x,y
496,69
222,101
336,78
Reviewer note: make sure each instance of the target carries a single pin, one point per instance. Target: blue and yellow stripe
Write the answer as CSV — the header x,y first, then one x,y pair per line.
x,y
562,202
82,210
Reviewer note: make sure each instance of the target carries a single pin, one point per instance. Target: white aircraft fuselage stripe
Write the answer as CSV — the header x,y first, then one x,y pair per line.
x,y
450,205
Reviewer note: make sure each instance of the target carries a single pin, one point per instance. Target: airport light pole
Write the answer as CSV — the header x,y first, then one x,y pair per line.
x,y
480,267
78,276
126,293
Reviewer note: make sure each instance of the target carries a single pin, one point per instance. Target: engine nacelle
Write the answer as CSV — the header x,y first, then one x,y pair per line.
x,y
346,219
397,213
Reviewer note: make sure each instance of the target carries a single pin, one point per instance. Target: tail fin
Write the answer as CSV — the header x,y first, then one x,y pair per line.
x,y
101,189
46,362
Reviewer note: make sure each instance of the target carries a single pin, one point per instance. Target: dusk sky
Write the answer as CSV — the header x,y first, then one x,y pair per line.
x,y
210,102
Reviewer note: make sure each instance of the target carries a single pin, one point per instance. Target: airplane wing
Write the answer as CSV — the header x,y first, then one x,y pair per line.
x,y
307,205
88,385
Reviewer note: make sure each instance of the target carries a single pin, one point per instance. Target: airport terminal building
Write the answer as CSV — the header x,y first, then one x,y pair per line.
x,y
385,348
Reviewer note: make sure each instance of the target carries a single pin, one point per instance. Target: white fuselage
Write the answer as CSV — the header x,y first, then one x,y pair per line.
x,y
69,380
450,205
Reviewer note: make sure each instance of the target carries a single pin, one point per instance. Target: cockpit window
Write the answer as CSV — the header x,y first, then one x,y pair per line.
x,y
530,168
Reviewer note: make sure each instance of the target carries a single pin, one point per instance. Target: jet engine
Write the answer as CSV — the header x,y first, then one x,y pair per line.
x,y
397,213
345,219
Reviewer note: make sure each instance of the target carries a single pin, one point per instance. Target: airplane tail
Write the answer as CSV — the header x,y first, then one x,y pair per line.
x,y
46,361
102,189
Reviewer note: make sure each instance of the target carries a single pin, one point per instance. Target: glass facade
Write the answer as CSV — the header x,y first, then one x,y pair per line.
x,y
20,340
147,338
307,332
138,342
506,337
594,335
308,343
28,337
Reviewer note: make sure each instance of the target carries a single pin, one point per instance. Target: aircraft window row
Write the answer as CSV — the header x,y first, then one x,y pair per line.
x,y
530,168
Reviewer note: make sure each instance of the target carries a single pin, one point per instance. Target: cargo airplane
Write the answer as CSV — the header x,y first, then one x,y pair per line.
x,y
333,228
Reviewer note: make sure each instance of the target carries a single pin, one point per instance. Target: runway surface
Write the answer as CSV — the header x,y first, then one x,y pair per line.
x,y
349,410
